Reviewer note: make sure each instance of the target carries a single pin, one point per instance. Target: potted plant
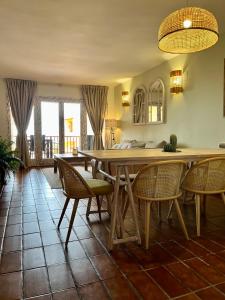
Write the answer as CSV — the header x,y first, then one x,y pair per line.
x,y
172,146
8,161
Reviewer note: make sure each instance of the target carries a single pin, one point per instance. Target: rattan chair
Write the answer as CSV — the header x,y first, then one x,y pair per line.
x,y
206,177
76,187
159,181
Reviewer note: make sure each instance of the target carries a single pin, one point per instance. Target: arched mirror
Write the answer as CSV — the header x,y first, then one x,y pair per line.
x,y
139,106
156,103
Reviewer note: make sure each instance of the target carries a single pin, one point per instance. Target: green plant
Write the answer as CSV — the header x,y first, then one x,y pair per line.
x,y
173,140
8,160
172,146
169,148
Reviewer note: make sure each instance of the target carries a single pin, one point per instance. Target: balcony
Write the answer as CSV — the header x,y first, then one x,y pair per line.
x,y
50,145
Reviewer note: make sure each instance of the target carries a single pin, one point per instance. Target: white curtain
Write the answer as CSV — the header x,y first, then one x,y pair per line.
x,y
21,95
95,98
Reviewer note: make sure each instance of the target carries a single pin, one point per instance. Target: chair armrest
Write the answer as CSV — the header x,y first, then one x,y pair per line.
x,y
112,178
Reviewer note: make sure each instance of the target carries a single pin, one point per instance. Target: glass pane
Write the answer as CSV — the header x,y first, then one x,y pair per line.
x,y
50,128
13,131
71,126
153,113
30,136
89,128
90,135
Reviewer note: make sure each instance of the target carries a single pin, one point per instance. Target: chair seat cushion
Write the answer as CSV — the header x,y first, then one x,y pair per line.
x,y
100,187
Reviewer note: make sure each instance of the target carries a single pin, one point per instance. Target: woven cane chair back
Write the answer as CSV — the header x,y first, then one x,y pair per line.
x,y
74,186
159,180
207,176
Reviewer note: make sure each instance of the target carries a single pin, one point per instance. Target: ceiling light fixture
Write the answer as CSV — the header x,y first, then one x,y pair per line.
x,y
187,30
187,23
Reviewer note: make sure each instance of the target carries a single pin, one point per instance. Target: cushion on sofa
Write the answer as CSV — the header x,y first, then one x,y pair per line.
x,y
138,144
125,146
151,145
134,144
122,146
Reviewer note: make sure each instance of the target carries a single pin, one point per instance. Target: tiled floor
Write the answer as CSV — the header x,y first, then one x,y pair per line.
x,y
34,264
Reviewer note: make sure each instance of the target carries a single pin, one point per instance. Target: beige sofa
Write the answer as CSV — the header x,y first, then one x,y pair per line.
x,y
134,144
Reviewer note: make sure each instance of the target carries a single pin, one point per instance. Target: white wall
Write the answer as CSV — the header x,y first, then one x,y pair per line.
x,y
58,90
47,90
196,116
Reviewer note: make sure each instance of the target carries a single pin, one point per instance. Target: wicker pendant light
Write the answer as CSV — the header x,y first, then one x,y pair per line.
x,y
187,30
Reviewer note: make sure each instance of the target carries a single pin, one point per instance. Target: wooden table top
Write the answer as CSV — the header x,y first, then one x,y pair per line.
x,y
152,154
69,155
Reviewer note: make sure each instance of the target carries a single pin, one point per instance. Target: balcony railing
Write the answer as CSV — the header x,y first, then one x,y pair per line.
x,y
50,145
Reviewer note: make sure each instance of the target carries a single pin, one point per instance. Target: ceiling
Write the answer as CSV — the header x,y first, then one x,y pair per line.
x,y
85,41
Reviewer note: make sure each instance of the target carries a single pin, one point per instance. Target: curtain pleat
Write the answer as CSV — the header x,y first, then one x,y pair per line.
x,y
95,98
21,95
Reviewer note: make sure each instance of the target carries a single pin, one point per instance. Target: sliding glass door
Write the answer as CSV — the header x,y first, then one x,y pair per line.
x,y
56,126
60,128
49,129
72,125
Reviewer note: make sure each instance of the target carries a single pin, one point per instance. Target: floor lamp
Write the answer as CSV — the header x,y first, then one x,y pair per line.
x,y
111,124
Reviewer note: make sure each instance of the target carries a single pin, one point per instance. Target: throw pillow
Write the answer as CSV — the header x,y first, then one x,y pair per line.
x,y
138,145
125,146
151,145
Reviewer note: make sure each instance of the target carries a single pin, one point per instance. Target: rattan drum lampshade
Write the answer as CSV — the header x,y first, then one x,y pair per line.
x,y
187,30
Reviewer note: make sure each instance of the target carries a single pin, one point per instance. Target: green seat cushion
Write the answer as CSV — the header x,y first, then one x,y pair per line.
x,y
99,187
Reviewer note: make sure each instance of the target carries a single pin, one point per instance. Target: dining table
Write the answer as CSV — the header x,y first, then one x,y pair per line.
x,y
121,160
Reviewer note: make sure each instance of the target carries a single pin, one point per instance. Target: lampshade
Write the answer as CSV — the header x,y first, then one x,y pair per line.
x,y
190,29
125,98
111,123
176,82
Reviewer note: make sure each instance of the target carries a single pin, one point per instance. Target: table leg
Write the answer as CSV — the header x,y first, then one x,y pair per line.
x,y
94,170
86,164
114,209
55,166
131,199
120,218
117,230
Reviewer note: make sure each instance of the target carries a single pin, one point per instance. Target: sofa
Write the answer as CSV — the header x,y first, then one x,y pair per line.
x,y
134,144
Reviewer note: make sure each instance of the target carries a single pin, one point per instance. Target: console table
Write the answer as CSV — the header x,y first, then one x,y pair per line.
x,y
69,157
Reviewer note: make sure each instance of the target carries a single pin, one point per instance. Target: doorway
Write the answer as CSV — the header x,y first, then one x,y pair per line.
x,y
56,126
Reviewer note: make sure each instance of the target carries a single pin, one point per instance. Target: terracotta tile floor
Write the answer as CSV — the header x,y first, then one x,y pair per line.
x,y
34,264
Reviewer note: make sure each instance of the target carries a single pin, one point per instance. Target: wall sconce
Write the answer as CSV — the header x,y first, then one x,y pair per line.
x,y
112,124
176,82
125,98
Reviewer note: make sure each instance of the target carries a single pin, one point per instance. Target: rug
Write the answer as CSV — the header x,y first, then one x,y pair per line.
x,y
53,178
